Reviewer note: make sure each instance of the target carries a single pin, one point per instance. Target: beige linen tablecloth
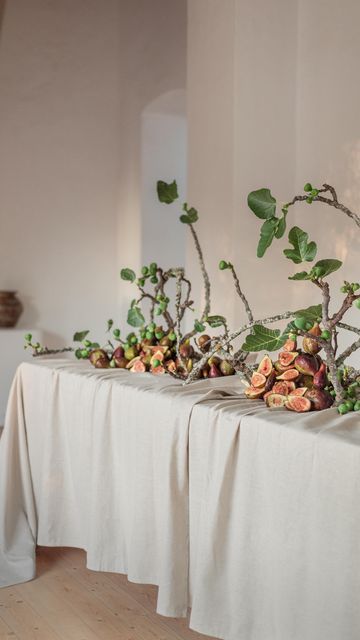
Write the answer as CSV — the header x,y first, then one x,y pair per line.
x,y
99,460
274,523
257,511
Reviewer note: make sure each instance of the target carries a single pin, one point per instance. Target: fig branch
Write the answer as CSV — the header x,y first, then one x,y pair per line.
x,y
206,279
193,375
313,196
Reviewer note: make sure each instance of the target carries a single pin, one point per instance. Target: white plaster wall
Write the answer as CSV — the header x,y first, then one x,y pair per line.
x,y
241,134
59,161
272,102
328,135
74,79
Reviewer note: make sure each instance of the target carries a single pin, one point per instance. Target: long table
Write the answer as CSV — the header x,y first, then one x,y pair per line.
x,y
251,517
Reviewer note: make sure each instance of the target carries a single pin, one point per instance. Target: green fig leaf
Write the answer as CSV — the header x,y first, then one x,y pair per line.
x,y
311,314
94,345
328,266
281,227
167,192
264,339
302,251
267,234
262,203
79,336
199,326
191,215
128,274
109,325
135,318
215,321
302,275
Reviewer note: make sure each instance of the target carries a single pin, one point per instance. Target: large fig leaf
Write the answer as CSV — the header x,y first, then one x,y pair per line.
x,y
303,250
264,339
79,336
267,234
311,314
135,318
167,192
327,267
262,203
128,274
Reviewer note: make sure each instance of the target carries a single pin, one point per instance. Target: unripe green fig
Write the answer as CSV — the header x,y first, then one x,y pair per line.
x,y
308,187
223,265
356,303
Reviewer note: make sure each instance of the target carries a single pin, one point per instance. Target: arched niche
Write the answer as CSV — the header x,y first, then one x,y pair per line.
x,y
163,157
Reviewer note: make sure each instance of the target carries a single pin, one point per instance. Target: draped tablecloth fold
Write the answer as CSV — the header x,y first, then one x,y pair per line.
x,y
99,460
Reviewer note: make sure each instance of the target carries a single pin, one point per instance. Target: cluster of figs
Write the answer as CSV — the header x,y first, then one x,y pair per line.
x,y
297,380
155,351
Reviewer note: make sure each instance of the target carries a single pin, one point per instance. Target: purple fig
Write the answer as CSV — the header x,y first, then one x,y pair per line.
x,y
121,363
96,355
320,377
270,381
118,353
186,350
319,399
214,372
307,364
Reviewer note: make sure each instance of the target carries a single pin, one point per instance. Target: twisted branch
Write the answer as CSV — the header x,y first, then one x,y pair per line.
x,y
204,272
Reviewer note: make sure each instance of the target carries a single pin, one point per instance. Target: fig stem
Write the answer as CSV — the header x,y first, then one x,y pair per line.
x,y
204,272
45,351
332,202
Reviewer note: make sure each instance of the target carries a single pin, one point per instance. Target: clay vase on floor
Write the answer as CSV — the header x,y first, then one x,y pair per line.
x,y
10,309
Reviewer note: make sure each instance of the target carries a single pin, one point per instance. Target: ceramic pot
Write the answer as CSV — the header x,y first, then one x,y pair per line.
x,y
10,308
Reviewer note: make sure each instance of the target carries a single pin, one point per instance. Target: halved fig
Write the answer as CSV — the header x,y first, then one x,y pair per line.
x,y
265,367
287,357
280,368
300,391
290,345
299,404
254,392
281,387
267,394
290,385
276,400
138,367
157,355
158,370
258,380
131,363
290,374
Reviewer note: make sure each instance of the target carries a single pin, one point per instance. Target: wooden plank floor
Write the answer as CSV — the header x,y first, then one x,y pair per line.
x,y
69,602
